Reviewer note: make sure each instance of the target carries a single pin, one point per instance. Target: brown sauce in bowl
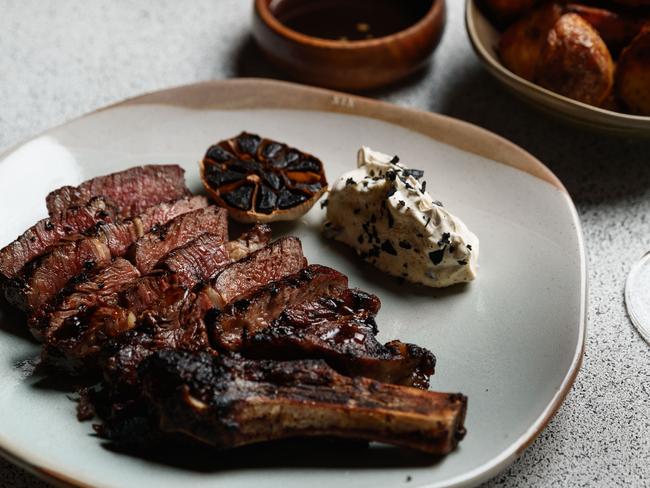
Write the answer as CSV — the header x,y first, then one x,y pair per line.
x,y
350,20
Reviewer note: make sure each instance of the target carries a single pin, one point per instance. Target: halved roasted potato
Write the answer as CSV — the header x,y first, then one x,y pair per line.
x,y
616,29
575,62
521,44
633,74
259,180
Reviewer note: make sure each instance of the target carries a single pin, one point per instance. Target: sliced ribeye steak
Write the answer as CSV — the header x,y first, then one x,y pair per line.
x,y
42,279
180,325
257,309
148,250
47,232
157,302
132,190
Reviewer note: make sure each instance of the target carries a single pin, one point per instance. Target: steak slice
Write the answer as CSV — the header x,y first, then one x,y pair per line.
x,y
48,232
164,212
181,325
99,288
229,402
132,190
196,261
277,260
256,310
42,279
187,266
164,295
342,332
152,247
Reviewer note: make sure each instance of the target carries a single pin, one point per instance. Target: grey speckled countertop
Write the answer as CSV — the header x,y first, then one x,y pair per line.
x,y
59,59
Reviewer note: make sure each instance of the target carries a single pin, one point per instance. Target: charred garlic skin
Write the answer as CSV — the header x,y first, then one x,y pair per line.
x,y
261,180
384,211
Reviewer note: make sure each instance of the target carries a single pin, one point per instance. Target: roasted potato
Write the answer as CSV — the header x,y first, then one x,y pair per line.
x,y
616,29
520,45
633,74
575,62
503,12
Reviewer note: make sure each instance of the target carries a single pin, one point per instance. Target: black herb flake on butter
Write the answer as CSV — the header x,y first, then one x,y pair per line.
x,y
437,256
387,247
462,262
350,181
415,173
395,159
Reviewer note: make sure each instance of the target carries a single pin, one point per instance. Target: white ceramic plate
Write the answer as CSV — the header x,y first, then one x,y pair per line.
x,y
485,39
512,340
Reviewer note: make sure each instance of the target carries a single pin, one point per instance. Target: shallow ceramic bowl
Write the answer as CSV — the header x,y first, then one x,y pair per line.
x,y
485,38
511,341
348,65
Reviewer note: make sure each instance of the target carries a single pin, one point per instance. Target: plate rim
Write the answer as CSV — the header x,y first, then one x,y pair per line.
x,y
608,119
254,93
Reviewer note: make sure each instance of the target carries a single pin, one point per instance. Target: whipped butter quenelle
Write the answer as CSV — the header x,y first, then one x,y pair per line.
x,y
383,210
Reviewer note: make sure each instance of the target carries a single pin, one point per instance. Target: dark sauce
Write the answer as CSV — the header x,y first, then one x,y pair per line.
x,y
351,20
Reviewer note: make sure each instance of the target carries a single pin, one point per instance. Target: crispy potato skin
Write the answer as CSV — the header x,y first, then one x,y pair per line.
x,y
503,12
616,29
575,62
633,74
521,44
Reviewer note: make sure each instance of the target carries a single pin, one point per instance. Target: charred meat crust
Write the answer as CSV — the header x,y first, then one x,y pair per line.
x,y
131,191
47,232
86,293
256,310
43,278
342,332
228,402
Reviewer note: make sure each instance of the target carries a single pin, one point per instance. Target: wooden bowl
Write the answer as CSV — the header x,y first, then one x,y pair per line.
x,y
348,65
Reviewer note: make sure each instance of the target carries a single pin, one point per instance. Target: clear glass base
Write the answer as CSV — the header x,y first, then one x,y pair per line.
x,y
637,296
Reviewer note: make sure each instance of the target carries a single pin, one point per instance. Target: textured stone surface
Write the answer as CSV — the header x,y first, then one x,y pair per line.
x,y
59,59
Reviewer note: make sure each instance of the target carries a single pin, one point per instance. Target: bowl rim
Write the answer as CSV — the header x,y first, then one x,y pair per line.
x,y
263,10
471,10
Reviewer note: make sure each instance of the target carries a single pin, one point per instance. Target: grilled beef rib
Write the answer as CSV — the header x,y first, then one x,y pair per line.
x,y
228,402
